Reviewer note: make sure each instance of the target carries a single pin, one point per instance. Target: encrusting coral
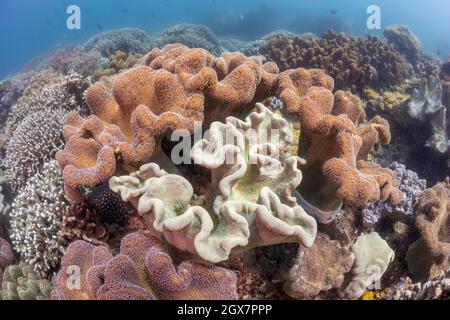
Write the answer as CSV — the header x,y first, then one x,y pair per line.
x,y
429,256
319,268
143,270
372,258
36,219
21,282
35,141
251,204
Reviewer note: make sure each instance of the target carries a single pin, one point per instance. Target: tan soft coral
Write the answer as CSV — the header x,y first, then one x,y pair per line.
x,y
142,271
333,138
430,255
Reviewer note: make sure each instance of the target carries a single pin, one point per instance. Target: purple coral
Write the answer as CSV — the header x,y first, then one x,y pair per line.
x,y
142,271
410,185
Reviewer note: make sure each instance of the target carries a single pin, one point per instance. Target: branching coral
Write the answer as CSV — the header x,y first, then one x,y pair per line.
x,y
354,62
142,271
251,204
21,282
319,268
411,187
36,219
190,35
429,256
129,40
35,141
45,90
372,258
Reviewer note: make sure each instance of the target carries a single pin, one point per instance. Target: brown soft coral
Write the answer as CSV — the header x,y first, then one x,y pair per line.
x,y
430,255
142,271
6,257
333,138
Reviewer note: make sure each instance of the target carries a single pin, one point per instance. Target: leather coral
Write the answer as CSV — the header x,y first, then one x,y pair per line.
x,y
250,203
169,89
143,270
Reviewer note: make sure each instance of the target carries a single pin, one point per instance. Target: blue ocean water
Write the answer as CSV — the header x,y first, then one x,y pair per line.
x,y
32,27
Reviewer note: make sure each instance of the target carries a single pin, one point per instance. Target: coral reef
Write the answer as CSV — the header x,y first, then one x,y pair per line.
x,y
190,35
143,270
372,258
129,40
319,268
410,185
75,60
48,89
251,204
35,141
354,63
404,41
429,256
437,288
10,91
6,256
118,61
21,282
82,222
445,71
36,219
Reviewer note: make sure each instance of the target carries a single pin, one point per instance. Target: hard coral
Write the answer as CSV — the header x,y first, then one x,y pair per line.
x,y
36,219
77,60
355,63
6,256
429,256
129,40
118,61
404,41
251,203
35,141
142,271
21,282
190,35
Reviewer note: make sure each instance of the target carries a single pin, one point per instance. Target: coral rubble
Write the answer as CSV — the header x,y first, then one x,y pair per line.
x,y
143,270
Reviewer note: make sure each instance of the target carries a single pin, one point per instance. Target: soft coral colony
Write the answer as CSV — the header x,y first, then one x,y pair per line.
x,y
283,165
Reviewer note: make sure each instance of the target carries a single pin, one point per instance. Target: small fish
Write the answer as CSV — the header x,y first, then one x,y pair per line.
x,y
333,12
438,53
99,27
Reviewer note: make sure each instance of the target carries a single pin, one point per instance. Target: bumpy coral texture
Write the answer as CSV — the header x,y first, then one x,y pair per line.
x,y
21,282
171,90
6,256
404,41
430,255
410,185
129,40
190,35
354,62
117,62
335,143
319,268
372,258
143,270
36,219
35,141
48,89
251,204
76,60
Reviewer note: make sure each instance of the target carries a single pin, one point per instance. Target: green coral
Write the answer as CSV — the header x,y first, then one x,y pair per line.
x,y
21,282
